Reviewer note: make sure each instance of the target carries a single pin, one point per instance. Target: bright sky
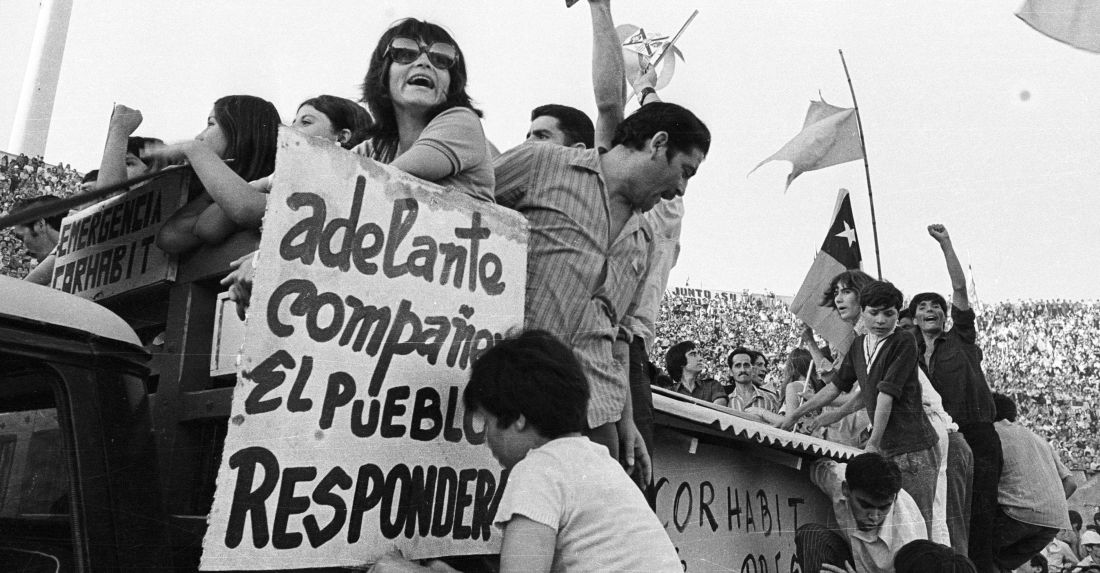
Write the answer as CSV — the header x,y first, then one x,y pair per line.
x,y
972,118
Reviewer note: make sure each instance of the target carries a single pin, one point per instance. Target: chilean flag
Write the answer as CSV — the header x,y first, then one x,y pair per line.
x,y
839,252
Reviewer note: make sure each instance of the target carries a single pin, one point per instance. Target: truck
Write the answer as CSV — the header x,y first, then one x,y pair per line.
x,y
115,405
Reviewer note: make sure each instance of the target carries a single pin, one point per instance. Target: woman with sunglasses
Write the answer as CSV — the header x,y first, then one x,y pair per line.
x,y
424,122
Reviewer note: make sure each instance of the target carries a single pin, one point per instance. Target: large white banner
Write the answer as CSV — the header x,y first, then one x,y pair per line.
x,y
347,439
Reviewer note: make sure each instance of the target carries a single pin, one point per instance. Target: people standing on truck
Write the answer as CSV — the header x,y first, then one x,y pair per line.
x,y
425,123
1031,492
240,127
684,364
39,238
952,360
568,506
588,246
875,517
884,362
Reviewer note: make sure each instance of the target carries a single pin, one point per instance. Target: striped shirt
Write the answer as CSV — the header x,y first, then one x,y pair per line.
x,y
580,282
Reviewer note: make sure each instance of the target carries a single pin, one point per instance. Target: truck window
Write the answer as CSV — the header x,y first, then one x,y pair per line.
x,y
36,530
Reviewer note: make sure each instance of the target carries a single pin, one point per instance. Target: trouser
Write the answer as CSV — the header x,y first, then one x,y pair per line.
x,y
606,435
1015,542
988,461
641,377
918,479
960,476
816,546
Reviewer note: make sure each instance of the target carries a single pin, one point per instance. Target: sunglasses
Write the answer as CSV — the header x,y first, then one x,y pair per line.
x,y
406,50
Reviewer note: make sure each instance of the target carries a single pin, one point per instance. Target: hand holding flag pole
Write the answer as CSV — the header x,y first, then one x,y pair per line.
x,y
651,52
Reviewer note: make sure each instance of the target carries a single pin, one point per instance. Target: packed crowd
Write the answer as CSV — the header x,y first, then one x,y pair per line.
x,y
1045,354
21,178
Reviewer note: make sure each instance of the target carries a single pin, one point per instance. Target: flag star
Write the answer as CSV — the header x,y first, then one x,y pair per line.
x,y
848,233
641,43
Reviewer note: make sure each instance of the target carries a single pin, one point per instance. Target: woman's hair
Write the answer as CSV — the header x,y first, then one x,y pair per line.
x,y
853,278
376,87
798,361
344,114
251,127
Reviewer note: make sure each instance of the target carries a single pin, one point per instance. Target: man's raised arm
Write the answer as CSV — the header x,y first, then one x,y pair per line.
x,y
608,72
959,297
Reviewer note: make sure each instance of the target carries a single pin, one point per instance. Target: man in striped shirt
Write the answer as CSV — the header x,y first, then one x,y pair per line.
x,y
589,243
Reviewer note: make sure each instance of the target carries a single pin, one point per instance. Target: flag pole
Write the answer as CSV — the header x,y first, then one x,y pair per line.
x,y
866,167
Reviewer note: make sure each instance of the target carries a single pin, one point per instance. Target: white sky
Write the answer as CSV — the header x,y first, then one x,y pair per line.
x,y
940,84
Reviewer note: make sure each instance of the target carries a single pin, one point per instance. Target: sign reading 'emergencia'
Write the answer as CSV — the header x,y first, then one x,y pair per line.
x,y
110,247
373,293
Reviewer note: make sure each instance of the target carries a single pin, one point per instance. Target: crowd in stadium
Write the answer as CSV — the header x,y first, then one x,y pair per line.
x,y
23,177
1045,354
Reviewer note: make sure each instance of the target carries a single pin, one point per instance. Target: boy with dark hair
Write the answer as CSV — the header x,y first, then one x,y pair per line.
x,y
567,505
923,556
884,362
875,517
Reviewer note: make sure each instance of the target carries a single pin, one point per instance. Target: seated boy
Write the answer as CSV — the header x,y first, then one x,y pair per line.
x,y
568,506
884,362
875,517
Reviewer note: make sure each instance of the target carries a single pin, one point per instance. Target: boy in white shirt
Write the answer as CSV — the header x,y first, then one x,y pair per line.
x,y
568,506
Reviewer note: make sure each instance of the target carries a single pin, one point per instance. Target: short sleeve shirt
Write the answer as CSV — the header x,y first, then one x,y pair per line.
x,y
457,134
602,520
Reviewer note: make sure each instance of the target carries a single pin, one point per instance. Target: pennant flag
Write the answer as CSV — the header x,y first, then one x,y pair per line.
x,y
839,252
1073,22
830,135
972,291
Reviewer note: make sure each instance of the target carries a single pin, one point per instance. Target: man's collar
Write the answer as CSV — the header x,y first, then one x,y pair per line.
x,y
588,159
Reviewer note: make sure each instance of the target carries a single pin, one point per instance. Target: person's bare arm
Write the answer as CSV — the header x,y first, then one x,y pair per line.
x,y
826,395
848,406
883,408
42,273
959,297
112,166
608,73
528,546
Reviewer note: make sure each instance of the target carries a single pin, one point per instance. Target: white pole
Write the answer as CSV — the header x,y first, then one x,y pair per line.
x,y
32,118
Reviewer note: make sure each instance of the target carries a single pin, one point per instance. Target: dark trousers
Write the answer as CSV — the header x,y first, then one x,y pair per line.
x,y
988,461
817,545
641,377
1014,542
